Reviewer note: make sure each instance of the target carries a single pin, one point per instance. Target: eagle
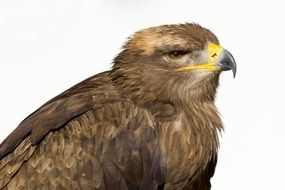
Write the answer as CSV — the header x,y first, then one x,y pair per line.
x,y
149,123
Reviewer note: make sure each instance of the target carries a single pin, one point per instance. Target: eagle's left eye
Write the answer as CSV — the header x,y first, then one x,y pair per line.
x,y
176,54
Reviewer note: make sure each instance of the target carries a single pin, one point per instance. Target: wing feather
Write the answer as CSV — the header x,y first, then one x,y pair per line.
x,y
61,109
88,137
98,149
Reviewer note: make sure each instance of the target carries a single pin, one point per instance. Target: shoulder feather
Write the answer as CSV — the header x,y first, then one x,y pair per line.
x,y
61,109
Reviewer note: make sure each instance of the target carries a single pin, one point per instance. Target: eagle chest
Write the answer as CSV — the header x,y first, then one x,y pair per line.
x,y
189,144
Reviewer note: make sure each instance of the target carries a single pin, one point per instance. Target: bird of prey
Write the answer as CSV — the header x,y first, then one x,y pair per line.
x,y
150,123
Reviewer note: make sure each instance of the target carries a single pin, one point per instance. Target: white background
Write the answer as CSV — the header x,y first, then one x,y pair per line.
x,y
48,46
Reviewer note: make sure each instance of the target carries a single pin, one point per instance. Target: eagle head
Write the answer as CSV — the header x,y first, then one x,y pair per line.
x,y
171,62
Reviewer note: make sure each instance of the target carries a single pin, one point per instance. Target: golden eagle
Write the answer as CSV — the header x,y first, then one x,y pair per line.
x,y
148,123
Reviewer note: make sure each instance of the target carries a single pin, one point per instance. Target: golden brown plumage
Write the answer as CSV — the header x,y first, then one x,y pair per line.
x,y
149,123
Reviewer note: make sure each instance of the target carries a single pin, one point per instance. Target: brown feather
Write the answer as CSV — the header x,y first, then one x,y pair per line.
x,y
139,126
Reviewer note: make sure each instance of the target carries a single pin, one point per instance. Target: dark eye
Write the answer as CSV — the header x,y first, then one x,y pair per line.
x,y
176,54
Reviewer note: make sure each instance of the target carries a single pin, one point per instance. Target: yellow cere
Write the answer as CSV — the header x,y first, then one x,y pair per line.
x,y
214,52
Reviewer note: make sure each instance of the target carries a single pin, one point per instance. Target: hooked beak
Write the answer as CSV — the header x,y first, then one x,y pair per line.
x,y
227,62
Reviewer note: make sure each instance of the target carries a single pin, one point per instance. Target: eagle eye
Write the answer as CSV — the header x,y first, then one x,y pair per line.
x,y
176,54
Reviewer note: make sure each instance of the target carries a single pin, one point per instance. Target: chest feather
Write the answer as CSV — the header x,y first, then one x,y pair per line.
x,y
189,143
